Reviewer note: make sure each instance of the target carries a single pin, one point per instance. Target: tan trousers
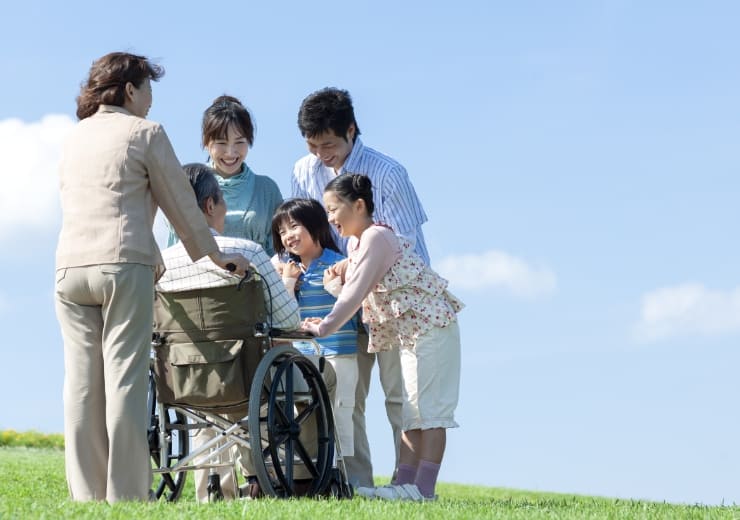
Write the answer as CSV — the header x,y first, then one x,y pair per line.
x,y
359,466
105,315
227,475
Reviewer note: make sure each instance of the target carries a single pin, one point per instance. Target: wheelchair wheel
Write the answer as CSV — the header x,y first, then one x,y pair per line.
x,y
165,426
291,427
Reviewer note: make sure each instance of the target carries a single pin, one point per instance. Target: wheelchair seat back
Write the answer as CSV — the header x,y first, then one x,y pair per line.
x,y
206,350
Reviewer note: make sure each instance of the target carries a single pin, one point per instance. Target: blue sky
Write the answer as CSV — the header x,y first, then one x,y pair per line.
x,y
577,161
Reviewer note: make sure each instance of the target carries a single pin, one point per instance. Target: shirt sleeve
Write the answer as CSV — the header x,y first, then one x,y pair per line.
x,y
285,312
175,196
378,251
297,189
276,198
397,205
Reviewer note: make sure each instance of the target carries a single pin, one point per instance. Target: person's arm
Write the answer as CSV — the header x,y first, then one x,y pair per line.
x,y
173,193
376,254
334,277
297,187
274,199
400,208
290,272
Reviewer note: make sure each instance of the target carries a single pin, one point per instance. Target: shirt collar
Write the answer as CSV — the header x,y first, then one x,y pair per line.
x,y
240,177
114,108
353,159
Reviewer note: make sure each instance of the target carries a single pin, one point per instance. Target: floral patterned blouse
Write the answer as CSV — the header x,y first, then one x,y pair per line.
x,y
410,300
401,297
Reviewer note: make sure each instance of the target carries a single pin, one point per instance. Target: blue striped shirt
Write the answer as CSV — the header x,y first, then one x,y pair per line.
x,y
396,202
315,302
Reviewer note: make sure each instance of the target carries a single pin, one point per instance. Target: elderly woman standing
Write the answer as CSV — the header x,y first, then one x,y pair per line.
x,y
116,169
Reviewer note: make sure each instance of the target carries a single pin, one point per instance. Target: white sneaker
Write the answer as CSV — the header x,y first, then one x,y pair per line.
x,y
366,492
400,492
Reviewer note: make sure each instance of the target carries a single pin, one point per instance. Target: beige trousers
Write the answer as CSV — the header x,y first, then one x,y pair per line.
x,y
105,315
359,466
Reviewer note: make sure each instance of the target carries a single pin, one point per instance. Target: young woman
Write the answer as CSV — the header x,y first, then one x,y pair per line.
x,y
251,199
303,239
406,305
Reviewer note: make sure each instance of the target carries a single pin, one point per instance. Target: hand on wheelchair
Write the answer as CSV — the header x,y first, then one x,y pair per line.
x,y
311,325
232,262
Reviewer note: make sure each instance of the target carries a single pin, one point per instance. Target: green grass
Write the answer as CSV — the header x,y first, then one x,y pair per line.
x,y
32,485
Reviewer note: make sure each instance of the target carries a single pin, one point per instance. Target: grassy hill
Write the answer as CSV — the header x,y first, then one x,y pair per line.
x,y
32,485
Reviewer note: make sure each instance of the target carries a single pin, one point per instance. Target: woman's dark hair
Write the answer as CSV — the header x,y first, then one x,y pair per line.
x,y
106,82
203,180
327,109
351,187
308,213
224,111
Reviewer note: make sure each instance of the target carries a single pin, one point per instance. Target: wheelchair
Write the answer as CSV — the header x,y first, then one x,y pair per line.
x,y
215,356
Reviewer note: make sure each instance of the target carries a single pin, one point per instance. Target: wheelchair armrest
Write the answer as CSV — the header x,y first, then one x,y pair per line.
x,y
291,334
295,335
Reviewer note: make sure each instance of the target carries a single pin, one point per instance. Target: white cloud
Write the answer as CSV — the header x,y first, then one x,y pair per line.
x,y
688,309
30,153
496,269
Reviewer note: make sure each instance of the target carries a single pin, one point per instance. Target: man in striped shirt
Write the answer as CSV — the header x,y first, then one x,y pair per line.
x,y
326,120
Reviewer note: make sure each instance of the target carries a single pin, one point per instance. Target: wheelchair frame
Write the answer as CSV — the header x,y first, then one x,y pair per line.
x,y
287,403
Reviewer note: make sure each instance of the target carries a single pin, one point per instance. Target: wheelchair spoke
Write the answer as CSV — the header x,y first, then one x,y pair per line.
x,y
306,412
167,479
293,417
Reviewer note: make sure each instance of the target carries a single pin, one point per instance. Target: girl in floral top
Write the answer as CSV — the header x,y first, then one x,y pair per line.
x,y
406,305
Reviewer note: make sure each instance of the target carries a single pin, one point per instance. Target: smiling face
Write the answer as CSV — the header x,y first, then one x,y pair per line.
x,y
331,149
228,152
350,218
297,240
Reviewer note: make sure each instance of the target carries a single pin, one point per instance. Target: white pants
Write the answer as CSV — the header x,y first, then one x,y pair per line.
x,y
360,466
431,379
345,368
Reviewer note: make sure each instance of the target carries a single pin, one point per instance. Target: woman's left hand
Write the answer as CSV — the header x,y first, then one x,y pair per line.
x,y
311,325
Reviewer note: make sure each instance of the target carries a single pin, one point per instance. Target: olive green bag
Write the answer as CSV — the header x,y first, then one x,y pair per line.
x,y
206,351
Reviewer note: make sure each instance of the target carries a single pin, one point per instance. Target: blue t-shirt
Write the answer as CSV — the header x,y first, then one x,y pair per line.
x,y
315,302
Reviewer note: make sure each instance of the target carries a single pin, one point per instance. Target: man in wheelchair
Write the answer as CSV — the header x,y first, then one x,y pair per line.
x,y
183,277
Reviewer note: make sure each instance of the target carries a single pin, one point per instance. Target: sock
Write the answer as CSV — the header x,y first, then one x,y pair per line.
x,y
426,477
405,474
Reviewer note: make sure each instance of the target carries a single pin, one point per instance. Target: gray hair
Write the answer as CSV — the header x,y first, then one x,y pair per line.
x,y
203,180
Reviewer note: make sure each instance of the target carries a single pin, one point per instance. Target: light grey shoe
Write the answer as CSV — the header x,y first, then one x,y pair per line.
x,y
365,492
400,492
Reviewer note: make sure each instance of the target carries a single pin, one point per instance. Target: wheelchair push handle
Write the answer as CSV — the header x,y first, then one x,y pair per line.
x,y
231,267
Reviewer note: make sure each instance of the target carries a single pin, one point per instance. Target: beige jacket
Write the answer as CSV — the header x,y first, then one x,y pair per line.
x,y
116,169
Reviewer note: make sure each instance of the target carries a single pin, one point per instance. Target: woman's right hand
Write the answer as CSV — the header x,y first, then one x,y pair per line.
x,y
240,264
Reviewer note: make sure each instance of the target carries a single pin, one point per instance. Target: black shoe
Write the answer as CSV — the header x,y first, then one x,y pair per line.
x,y
251,489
